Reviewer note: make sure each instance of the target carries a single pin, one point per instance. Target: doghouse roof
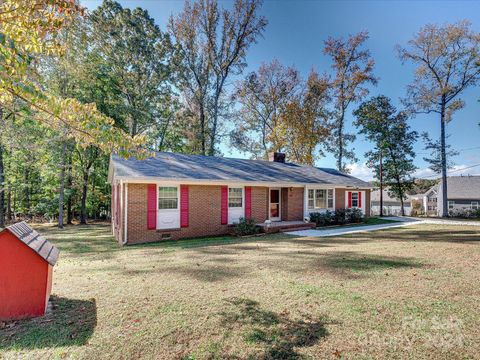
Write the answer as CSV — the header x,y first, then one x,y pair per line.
x,y
35,241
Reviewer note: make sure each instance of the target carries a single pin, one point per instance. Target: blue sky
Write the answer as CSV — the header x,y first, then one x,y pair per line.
x,y
295,36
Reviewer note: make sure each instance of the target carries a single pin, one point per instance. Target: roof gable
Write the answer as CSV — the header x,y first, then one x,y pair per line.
x,y
174,166
34,241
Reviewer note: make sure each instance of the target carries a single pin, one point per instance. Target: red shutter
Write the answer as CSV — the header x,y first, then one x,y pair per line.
x,y
349,199
359,199
248,202
224,205
152,207
183,206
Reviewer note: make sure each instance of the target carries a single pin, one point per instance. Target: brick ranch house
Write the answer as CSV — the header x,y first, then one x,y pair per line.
x,y
174,196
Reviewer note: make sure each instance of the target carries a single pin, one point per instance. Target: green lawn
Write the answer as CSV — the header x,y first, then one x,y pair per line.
x,y
410,292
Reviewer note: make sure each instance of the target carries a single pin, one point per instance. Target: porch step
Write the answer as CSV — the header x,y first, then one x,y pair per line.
x,y
283,226
297,228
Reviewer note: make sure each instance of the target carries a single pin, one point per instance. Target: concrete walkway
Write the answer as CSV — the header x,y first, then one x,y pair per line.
x,y
402,221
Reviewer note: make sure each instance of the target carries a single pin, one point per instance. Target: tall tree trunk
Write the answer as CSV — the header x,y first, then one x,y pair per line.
x,y
61,197
83,210
402,204
9,205
27,192
444,160
2,188
202,130
340,145
15,204
69,186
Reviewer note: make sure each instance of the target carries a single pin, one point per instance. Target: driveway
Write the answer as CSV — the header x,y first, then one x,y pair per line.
x,y
402,221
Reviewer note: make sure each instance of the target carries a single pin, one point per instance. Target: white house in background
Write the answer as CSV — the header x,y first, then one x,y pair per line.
x,y
391,206
428,200
463,194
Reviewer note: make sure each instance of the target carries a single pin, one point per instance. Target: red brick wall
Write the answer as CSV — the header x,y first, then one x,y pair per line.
x,y
259,203
294,204
340,198
204,213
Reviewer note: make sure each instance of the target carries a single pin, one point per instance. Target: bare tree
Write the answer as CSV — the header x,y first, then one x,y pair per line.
x,y
263,96
213,45
353,71
448,61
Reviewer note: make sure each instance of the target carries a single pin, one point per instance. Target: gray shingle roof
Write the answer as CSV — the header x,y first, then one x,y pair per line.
x,y
173,166
34,241
463,187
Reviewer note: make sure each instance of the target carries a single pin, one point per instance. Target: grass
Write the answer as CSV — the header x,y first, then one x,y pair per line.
x,y
409,292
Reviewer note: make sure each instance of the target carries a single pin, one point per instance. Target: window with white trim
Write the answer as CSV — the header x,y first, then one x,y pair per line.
x,y
235,197
354,199
451,204
167,197
320,199
475,205
311,199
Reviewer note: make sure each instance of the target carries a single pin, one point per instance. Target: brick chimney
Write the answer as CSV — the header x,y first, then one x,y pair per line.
x,y
276,157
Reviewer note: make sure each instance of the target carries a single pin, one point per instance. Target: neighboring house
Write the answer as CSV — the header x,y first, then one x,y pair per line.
x,y
428,201
391,206
173,196
463,194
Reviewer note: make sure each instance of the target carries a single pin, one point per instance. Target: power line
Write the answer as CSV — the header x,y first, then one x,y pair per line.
x,y
453,171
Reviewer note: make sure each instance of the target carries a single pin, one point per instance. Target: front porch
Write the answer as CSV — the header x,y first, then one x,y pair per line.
x,y
282,226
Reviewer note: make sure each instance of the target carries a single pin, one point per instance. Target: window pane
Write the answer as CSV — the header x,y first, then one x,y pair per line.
x,y
233,203
310,194
235,197
275,196
167,192
311,200
167,198
311,204
274,211
330,198
354,199
320,199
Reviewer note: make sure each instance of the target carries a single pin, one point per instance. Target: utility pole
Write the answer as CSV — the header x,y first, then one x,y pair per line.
x,y
381,184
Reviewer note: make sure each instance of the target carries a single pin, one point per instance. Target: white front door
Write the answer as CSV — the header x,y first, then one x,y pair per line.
x,y
168,212
275,205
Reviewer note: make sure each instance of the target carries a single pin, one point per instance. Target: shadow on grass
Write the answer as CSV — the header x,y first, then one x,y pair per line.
x,y
359,263
70,322
277,334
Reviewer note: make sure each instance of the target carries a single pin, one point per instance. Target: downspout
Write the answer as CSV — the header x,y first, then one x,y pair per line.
x,y
125,224
305,204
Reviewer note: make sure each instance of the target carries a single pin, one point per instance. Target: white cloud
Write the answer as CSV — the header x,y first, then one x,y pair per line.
x,y
361,171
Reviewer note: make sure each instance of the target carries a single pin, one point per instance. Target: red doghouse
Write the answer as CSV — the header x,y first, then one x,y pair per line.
x,y
26,264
